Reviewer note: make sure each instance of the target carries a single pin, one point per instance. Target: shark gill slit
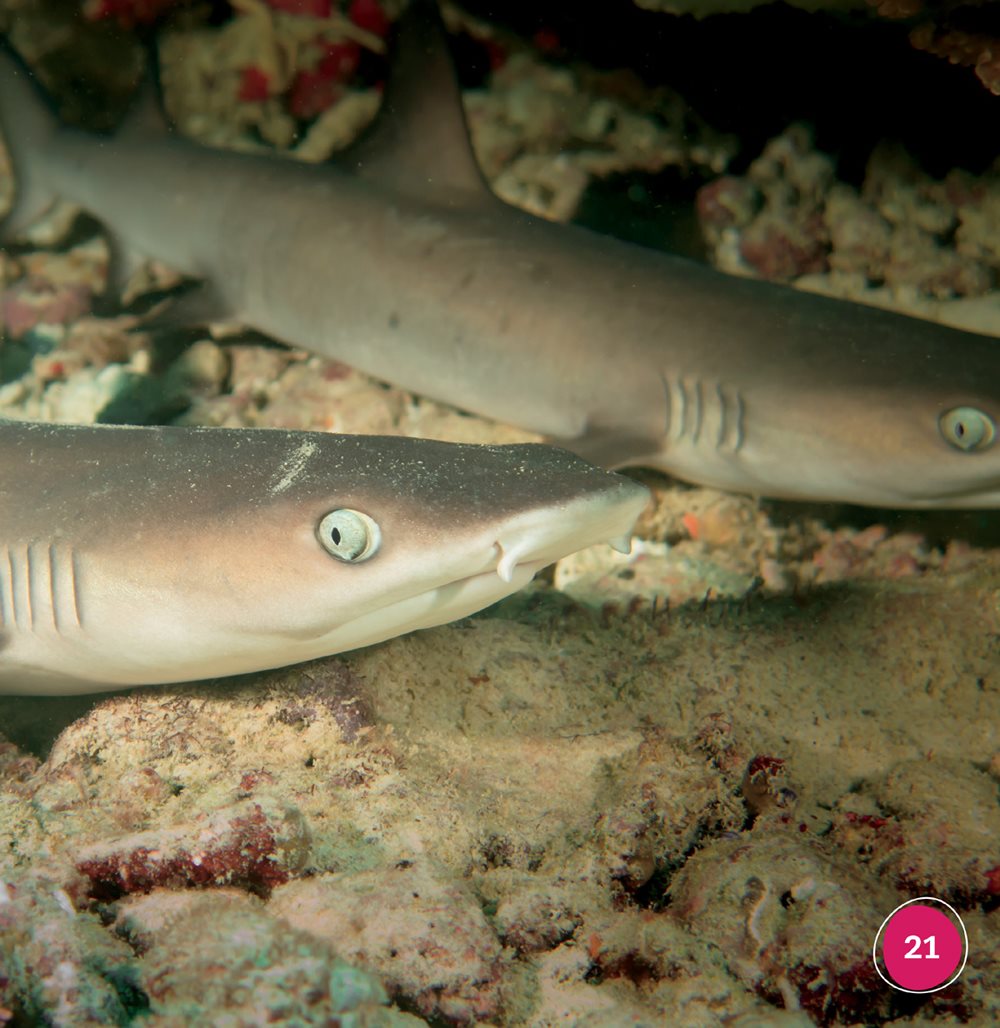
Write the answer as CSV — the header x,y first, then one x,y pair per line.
x,y
40,580
7,590
30,588
667,404
731,416
698,412
677,408
17,583
74,579
694,405
688,409
64,593
62,598
676,402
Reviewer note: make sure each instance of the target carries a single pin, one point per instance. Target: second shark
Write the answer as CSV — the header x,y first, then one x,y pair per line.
x,y
402,263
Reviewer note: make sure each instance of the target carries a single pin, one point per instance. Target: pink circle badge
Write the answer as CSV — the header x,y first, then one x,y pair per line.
x,y
922,946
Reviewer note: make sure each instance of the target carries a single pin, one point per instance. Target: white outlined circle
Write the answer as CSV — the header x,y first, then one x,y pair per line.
x,y
965,946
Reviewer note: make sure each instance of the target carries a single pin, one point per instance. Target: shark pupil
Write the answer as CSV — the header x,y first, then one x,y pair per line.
x,y
968,428
349,535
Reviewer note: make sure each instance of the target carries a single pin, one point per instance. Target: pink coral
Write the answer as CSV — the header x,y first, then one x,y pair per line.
x,y
244,845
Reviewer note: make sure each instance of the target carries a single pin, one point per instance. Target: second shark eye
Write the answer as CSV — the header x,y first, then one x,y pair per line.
x,y
349,535
967,428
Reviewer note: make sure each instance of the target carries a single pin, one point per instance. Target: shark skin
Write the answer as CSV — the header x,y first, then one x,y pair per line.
x,y
399,261
132,556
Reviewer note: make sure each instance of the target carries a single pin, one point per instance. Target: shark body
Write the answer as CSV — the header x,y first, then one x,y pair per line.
x,y
401,262
131,556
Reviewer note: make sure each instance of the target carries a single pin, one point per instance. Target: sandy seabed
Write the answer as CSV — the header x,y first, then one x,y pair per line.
x,y
543,815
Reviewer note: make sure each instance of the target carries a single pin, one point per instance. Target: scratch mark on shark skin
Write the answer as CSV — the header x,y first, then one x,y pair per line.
x,y
294,467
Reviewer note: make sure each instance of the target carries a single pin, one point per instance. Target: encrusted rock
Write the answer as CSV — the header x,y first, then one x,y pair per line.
x,y
58,966
255,845
415,926
263,971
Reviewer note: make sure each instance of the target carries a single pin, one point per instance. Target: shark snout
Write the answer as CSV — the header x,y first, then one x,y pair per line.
x,y
543,536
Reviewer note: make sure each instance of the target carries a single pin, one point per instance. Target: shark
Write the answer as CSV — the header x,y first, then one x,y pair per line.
x,y
398,259
145,555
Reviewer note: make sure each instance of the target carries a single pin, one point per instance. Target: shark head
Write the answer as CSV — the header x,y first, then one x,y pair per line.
x,y
792,395
189,554
908,420
884,449
406,534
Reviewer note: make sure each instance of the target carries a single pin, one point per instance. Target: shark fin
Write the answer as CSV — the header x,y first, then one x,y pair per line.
x,y
145,117
124,263
27,121
194,303
611,449
419,142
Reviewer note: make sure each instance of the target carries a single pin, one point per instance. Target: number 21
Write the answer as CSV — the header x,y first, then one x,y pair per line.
x,y
913,953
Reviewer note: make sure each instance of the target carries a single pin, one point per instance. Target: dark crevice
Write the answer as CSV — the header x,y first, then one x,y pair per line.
x,y
855,78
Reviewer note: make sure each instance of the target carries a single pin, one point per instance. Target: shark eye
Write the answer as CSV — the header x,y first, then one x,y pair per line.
x,y
967,428
349,535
